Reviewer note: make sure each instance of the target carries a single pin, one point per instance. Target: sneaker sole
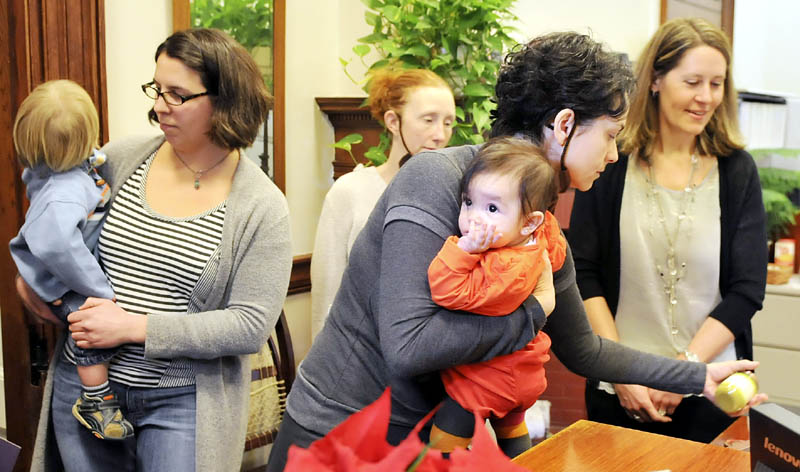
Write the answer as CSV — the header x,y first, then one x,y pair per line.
x,y
94,431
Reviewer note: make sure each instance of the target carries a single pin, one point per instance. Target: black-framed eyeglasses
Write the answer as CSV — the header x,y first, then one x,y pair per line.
x,y
170,97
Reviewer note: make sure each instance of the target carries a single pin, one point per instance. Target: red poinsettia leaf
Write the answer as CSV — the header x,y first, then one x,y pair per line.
x,y
433,462
363,432
405,453
483,456
335,457
397,460
359,445
302,459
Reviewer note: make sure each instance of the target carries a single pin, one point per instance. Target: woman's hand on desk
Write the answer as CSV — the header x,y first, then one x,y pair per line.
x,y
635,399
719,371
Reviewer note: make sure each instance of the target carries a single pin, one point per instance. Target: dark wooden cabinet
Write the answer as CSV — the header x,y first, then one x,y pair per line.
x,y
347,115
40,40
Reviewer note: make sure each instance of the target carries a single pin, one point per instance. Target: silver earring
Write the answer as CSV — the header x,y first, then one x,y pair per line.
x,y
654,94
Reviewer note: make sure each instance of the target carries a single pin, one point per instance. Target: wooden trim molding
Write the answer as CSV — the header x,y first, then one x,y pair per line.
x,y
726,16
40,40
300,280
182,19
279,94
181,15
348,115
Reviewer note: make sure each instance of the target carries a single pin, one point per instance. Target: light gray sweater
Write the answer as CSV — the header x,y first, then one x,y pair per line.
x,y
234,307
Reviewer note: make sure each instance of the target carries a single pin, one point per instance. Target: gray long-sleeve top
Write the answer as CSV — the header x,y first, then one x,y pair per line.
x,y
384,329
233,309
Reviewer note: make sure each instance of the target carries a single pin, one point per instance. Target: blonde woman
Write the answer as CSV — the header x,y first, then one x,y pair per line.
x,y
670,247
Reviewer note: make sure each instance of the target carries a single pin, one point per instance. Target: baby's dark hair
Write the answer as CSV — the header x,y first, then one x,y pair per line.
x,y
525,162
554,72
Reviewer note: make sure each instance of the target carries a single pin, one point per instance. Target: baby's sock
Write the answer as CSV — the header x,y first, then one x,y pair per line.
x,y
513,440
98,391
446,442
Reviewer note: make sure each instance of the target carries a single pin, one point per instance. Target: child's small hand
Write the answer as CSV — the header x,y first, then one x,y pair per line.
x,y
479,238
38,310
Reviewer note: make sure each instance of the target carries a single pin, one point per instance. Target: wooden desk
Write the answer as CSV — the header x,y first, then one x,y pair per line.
x,y
586,446
737,436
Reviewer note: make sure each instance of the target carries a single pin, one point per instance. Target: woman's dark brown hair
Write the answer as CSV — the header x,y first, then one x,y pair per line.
x,y
235,86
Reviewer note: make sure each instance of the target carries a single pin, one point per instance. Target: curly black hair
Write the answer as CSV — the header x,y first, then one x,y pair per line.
x,y
554,72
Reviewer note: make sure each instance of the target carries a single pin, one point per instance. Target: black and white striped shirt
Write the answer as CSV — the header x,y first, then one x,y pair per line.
x,y
153,263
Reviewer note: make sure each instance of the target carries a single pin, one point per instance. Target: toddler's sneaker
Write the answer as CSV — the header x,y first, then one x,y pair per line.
x,y
102,416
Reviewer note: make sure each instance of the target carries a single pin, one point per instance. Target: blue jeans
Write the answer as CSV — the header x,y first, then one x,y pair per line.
x,y
163,420
70,302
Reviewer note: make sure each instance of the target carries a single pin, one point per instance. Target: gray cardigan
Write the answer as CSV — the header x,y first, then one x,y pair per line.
x,y
234,307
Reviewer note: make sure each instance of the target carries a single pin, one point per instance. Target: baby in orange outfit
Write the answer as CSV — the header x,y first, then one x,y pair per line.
x,y
508,236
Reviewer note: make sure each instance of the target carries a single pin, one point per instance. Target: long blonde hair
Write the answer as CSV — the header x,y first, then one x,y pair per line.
x,y
663,52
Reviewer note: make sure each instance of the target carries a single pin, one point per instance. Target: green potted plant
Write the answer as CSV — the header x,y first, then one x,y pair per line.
x,y
463,41
248,21
776,186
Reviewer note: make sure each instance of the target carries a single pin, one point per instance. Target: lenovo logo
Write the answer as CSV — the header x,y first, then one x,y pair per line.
x,y
785,455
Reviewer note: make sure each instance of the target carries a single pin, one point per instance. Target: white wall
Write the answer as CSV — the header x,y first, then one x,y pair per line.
x,y
623,25
319,32
133,31
765,43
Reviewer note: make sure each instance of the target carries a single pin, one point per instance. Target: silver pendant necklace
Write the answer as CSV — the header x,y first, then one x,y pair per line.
x,y
199,173
671,271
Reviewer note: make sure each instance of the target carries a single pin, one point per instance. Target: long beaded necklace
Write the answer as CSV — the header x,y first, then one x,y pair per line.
x,y
672,272
199,173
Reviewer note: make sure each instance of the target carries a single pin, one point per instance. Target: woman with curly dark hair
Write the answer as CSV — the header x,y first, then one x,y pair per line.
x,y
567,94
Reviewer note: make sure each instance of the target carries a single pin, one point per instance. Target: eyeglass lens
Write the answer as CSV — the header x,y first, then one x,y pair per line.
x,y
170,97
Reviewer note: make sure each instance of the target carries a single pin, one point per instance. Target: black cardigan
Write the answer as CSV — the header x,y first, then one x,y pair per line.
x,y
594,238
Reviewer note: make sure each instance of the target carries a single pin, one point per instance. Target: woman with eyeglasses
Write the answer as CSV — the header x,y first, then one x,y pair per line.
x,y
196,246
417,108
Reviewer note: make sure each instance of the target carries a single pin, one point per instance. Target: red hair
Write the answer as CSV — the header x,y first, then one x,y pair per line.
x,y
389,88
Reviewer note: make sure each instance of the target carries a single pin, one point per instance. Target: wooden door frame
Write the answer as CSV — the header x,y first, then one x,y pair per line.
x,y
726,17
181,19
40,40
